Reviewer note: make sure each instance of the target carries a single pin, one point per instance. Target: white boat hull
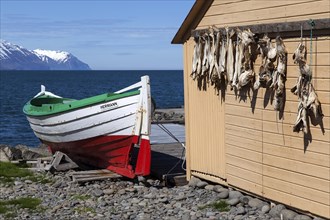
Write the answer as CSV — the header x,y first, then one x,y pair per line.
x,y
102,135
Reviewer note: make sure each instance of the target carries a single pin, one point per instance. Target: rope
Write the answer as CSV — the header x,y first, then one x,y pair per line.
x,y
312,24
183,158
301,34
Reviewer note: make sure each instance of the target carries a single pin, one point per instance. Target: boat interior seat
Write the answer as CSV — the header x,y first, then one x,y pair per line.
x,y
49,101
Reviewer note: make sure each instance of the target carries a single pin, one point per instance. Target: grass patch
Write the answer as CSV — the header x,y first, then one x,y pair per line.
x,y
9,170
8,206
81,197
25,202
82,210
10,215
3,209
40,178
220,206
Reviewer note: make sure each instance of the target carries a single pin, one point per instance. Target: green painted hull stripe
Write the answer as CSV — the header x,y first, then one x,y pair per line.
x,y
46,105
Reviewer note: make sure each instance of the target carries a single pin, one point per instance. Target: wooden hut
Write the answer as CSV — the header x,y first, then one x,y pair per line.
x,y
240,140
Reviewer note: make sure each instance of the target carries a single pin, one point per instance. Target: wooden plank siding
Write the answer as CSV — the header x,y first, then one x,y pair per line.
x,y
206,154
240,140
237,12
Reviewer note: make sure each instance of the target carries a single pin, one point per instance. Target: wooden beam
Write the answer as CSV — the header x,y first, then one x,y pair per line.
x,y
321,27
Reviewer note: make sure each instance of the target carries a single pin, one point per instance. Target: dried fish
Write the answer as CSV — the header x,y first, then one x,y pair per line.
x,y
313,103
214,74
245,78
247,74
300,54
263,47
272,51
222,58
196,57
264,70
301,121
279,77
230,57
213,59
247,37
238,63
205,62
304,89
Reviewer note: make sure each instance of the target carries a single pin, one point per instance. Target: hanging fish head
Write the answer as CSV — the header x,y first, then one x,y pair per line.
x,y
280,47
247,37
299,55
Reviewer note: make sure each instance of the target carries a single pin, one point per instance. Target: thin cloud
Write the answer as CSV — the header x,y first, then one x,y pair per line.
x,y
32,26
124,54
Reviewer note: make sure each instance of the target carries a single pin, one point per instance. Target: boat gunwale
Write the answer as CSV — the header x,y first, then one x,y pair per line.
x,y
58,108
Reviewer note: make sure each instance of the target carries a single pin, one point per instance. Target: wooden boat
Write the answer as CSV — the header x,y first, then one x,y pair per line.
x,y
99,131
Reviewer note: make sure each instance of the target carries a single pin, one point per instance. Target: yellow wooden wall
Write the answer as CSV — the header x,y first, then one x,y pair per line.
x,y
242,141
205,131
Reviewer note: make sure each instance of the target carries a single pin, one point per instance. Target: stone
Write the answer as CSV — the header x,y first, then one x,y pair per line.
x,y
149,196
235,194
28,182
223,194
57,184
131,189
27,153
233,201
163,200
302,217
245,199
288,214
96,186
121,191
255,202
98,192
209,214
108,191
8,153
17,183
265,208
276,210
142,203
219,188
209,187
180,197
240,210
201,184
193,181
135,200
141,179
238,217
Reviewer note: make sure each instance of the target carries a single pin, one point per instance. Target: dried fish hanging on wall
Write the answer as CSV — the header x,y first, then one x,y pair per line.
x,y
226,57
271,76
243,74
206,55
309,104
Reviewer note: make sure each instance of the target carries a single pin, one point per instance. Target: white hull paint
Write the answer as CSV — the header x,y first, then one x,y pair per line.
x,y
124,116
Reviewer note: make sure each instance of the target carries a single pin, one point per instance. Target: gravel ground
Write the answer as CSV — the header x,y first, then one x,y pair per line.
x,y
133,199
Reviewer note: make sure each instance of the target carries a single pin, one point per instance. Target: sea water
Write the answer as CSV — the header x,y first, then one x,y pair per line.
x,y
17,87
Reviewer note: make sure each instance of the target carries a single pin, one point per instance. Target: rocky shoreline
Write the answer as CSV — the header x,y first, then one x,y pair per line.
x,y
175,115
145,198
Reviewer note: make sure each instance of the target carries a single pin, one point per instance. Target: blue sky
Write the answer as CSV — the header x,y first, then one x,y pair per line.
x,y
106,34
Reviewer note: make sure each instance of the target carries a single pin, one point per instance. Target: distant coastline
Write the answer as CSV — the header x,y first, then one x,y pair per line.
x,y
15,57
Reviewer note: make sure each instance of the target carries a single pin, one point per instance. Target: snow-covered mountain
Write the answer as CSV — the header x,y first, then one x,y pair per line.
x,y
14,57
